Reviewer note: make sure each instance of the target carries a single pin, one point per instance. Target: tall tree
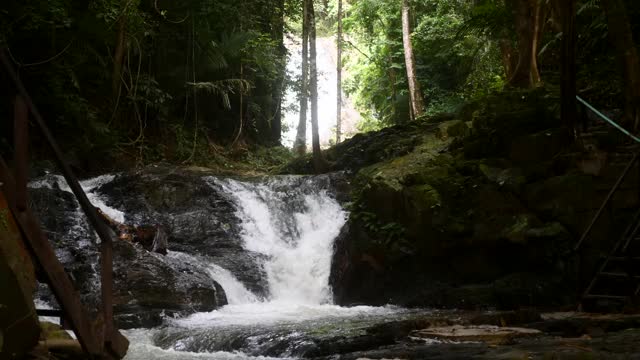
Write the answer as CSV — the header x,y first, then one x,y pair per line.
x,y
339,76
567,13
319,162
415,93
278,82
621,37
527,17
118,57
300,145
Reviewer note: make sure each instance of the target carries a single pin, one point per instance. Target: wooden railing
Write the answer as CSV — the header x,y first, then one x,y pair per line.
x,y
98,338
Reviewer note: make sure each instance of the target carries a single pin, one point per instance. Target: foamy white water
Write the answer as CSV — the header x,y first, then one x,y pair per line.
x,y
236,292
142,348
295,230
274,313
88,186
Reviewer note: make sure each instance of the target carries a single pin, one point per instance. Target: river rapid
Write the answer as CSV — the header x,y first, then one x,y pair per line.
x,y
288,224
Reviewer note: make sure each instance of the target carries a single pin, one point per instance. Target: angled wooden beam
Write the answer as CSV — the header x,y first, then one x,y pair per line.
x,y
21,151
106,253
52,270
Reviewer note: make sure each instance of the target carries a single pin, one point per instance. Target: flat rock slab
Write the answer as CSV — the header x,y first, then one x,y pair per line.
x,y
490,334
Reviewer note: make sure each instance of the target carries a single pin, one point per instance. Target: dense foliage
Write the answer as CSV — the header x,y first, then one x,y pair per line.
x,y
460,49
191,75
151,80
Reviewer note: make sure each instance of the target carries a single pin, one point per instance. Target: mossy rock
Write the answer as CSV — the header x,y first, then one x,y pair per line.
x,y
565,198
512,179
452,129
538,147
51,331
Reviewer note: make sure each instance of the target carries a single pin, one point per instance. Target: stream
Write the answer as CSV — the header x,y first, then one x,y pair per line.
x,y
288,226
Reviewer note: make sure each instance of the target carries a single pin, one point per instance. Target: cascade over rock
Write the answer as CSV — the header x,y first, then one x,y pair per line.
x,y
262,239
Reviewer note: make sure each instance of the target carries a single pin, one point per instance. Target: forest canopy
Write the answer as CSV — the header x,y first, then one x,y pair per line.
x,y
179,80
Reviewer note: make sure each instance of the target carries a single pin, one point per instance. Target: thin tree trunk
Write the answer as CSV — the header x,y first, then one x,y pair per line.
x,y
301,137
339,76
415,94
567,15
509,58
320,164
526,16
621,37
538,22
118,57
278,35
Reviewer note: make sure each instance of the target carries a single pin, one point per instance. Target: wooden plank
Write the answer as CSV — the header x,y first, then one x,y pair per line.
x,y
54,272
49,312
21,154
603,296
618,274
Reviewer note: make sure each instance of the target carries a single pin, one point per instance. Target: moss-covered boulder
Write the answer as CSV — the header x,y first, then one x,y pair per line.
x,y
479,212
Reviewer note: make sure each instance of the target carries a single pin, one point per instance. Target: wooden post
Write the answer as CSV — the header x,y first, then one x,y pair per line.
x,y
21,148
111,339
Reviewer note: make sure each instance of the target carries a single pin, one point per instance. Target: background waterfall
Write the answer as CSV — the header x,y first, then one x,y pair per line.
x,y
327,95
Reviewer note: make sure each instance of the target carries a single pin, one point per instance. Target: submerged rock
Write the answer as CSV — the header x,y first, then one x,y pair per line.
x,y
485,333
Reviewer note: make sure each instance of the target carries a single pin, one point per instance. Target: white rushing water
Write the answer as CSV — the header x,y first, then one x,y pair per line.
x,y
295,231
51,181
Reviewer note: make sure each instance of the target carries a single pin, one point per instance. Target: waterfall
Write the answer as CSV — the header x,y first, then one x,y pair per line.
x,y
285,225
327,95
293,223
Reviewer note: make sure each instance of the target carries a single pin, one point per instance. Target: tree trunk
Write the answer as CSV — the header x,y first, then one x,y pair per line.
x,y
567,14
415,94
526,16
301,137
320,164
276,104
509,57
621,37
118,57
339,76
538,22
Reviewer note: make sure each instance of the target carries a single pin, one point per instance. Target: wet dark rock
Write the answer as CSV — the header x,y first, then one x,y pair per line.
x,y
198,217
147,286
615,345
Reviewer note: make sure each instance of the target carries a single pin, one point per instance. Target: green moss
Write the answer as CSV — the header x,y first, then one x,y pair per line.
x,y
51,331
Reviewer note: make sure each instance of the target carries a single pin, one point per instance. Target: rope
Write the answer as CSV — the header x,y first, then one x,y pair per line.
x,y
605,118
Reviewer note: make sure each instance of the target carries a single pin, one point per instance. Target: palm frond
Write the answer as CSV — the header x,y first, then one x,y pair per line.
x,y
223,88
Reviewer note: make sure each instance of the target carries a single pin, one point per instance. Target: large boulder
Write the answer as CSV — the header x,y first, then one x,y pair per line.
x,y
198,216
147,285
478,213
